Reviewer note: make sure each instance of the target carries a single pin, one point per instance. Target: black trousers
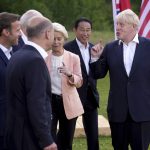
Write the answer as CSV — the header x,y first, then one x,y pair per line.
x,y
137,135
64,136
1,142
90,121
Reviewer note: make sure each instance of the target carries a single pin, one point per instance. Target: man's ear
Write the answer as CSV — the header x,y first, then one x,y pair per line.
x,y
5,32
47,34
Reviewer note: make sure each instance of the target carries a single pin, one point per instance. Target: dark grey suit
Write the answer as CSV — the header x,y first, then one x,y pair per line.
x,y
29,95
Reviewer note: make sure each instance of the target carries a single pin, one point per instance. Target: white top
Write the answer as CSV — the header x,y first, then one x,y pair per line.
x,y
6,51
56,62
128,53
85,54
38,48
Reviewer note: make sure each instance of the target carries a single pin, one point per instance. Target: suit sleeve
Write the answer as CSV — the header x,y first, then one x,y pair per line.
x,y
100,67
77,75
38,101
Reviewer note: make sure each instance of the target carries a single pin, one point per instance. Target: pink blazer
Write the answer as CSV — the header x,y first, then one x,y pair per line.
x,y
72,103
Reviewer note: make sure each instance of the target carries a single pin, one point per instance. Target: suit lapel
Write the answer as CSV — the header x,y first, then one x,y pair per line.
x,y
120,56
3,56
77,51
65,58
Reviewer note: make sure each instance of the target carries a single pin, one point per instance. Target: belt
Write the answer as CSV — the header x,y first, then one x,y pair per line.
x,y
56,96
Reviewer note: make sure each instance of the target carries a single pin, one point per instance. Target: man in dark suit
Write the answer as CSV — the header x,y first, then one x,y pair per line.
x,y
128,62
23,22
88,92
29,91
9,34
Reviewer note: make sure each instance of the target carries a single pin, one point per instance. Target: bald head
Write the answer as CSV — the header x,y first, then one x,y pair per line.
x,y
37,25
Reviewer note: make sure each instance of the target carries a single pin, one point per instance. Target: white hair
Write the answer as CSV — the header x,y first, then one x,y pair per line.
x,y
28,15
60,28
128,16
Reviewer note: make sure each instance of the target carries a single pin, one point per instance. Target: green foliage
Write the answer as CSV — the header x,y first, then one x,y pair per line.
x,y
104,36
67,11
19,7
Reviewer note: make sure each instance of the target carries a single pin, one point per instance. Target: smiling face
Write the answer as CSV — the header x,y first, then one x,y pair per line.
x,y
83,32
58,43
14,33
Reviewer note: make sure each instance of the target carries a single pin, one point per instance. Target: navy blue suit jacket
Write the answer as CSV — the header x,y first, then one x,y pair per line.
x,y
29,94
88,80
127,94
3,102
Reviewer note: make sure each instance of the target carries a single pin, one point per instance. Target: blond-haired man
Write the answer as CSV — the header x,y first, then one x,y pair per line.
x,y
128,62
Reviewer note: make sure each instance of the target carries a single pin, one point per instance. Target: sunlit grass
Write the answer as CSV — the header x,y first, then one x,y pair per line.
x,y
105,143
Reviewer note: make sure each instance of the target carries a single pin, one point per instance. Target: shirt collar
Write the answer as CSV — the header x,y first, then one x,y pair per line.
x,y
38,48
135,39
81,45
5,50
24,37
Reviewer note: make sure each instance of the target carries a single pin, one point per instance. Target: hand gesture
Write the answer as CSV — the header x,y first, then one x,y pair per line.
x,y
97,50
63,69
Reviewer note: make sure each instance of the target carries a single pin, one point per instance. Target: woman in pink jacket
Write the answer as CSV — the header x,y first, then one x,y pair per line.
x,y
65,73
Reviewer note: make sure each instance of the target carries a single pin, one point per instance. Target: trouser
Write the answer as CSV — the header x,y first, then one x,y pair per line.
x,y
64,136
137,135
1,142
90,123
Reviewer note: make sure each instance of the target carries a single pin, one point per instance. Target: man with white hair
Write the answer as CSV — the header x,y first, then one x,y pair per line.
x,y
28,88
128,62
23,22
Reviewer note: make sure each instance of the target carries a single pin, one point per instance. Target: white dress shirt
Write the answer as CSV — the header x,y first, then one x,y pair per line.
x,y
128,53
6,51
24,37
38,48
85,54
56,62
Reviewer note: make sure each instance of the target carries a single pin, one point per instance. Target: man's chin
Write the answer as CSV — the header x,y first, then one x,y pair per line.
x,y
118,37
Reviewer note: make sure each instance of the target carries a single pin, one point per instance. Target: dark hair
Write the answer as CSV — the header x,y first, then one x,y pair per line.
x,y
82,19
6,19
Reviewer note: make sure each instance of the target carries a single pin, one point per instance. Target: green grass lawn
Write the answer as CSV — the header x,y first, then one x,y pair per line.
x,y
103,88
80,143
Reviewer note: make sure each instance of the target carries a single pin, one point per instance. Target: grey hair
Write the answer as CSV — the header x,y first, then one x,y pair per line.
x,y
28,15
60,28
128,16
35,30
